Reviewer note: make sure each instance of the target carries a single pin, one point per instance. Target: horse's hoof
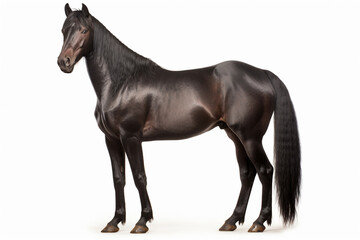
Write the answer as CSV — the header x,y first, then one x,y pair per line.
x,y
256,227
227,227
140,229
110,229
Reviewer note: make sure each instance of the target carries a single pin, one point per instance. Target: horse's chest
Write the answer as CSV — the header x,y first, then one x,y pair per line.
x,y
107,124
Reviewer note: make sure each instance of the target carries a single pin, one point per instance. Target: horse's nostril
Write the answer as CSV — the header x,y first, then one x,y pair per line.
x,y
67,61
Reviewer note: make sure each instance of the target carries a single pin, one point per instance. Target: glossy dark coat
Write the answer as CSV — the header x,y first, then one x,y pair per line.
x,y
139,101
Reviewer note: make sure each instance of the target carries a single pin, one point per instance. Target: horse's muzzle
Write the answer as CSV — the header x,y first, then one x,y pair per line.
x,y
65,64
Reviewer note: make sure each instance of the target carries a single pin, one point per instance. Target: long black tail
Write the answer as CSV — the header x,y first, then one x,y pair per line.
x,y
286,152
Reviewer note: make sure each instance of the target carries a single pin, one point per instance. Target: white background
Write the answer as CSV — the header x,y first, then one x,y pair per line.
x,y
55,173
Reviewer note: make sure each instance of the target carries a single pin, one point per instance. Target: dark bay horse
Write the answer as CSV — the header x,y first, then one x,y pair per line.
x,y
140,101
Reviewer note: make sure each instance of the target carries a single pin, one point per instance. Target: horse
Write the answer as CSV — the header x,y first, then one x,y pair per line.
x,y
138,101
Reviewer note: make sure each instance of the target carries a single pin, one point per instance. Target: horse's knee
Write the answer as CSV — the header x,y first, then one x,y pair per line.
x,y
140,179
265,173
247,174
266,170
120,180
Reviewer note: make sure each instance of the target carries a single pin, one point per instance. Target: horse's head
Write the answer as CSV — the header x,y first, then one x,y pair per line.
x,y
78,37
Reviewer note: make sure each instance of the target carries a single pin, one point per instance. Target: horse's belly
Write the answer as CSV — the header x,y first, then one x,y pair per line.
x,y
179,124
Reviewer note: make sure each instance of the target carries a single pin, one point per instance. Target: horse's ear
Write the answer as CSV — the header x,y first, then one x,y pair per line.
x,y
85,10
67,9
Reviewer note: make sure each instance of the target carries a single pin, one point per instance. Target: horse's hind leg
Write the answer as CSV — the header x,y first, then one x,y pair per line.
x,y
256,153
247,175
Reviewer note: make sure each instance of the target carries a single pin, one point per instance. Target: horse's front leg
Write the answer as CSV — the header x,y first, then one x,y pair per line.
x,y
134,152
117,156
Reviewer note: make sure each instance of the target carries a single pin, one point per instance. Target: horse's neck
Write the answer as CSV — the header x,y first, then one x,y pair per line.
x,y
104,63
111,63
99,74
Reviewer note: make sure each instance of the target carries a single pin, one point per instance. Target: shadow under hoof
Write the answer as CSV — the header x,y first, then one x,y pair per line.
x,y
256,228
139,229
227,227
110,229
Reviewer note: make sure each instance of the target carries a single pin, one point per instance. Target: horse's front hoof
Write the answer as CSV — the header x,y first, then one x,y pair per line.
x,y
110,229
227,227
256,227
140,229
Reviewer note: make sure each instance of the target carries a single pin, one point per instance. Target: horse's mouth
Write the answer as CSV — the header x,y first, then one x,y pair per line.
x,y
67,69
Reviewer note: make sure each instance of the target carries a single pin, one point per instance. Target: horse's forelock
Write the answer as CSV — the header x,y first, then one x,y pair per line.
x,y
78,16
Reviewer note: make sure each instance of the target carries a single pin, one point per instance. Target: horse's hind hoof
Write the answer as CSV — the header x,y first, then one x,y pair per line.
x,y
110,229
256,227
227,227
140,229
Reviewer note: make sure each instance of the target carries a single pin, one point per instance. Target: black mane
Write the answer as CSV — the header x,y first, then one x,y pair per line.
x,y
123,62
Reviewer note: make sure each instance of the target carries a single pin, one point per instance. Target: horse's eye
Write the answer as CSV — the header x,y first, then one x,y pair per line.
x,y
84,31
